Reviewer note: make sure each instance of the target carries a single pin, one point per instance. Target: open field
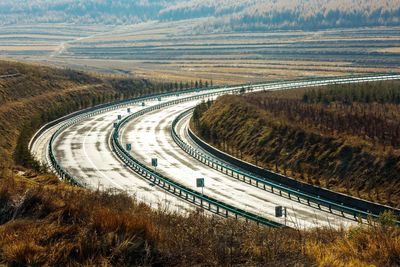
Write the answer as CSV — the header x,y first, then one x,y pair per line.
x,y
174,51
390,50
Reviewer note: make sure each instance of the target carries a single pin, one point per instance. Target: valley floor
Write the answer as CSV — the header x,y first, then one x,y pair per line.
x,y
172,51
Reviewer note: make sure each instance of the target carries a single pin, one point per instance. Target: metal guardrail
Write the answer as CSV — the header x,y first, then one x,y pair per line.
x,y
63,174
10,75
260,182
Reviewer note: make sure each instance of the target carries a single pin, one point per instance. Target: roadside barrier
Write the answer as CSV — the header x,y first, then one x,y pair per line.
x,y
278,184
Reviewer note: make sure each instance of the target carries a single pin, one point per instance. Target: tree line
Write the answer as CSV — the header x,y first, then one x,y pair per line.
x,y
225,15
382,92
370,111
259,15
202,128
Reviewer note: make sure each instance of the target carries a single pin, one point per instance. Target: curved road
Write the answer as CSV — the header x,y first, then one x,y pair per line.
x,y
84,150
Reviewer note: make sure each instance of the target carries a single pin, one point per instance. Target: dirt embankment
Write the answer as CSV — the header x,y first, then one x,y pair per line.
x,y
328,145
40,94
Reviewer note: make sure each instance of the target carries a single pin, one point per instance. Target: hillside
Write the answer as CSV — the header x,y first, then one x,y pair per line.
x,y
47,222
344,138
258,15
34,95
80,12
227,15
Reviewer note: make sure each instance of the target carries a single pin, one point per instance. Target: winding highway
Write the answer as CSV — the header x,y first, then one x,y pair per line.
x,y
84,149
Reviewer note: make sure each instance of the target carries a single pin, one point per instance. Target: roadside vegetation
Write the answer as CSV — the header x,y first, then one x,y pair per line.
x,y
344,137
44,221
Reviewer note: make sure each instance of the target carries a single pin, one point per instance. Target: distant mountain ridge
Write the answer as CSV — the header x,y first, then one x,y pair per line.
x,y
287,14
224,15
80,11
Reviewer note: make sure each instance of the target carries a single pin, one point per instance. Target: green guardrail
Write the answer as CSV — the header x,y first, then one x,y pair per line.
x,y
276,188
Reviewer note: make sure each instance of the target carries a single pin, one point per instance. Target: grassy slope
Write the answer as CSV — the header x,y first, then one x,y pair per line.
x,y
47,222
39,94
306,151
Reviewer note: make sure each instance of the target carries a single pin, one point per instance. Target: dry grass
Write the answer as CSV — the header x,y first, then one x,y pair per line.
x,y
222,70
56,224
374,246
40,94
171,51
390,50
61,225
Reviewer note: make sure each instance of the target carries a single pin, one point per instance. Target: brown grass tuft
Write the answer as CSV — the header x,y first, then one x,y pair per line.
x,y
54,226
